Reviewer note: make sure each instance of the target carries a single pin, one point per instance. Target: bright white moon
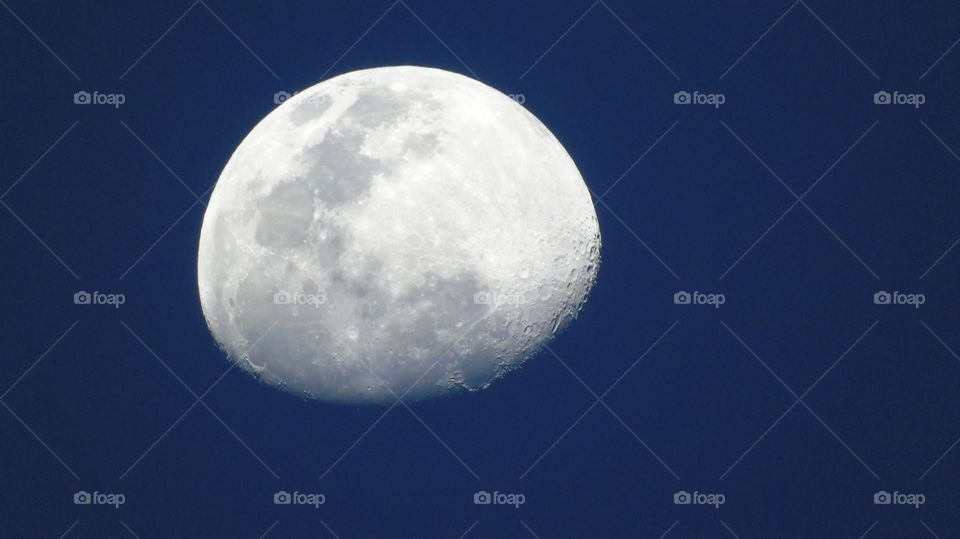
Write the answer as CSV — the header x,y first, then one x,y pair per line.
x,y
395,232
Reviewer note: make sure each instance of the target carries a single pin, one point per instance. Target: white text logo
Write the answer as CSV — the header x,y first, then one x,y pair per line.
x,y
98,298
683,497
299,498
898,498
697,298
896,98
898,298
96,98
98,498
696,98
483,497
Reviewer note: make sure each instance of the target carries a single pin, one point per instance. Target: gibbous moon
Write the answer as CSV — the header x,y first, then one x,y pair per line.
x,y
395,232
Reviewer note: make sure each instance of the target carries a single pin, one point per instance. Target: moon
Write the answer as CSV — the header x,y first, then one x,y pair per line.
x,y
395,233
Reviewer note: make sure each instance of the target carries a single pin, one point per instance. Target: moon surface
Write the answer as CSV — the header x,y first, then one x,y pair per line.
x,y
398,232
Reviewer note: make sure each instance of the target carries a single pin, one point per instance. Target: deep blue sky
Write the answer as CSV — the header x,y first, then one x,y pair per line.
x,y
702,411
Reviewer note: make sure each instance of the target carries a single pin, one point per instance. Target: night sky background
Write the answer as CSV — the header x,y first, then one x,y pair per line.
x,y
798,199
